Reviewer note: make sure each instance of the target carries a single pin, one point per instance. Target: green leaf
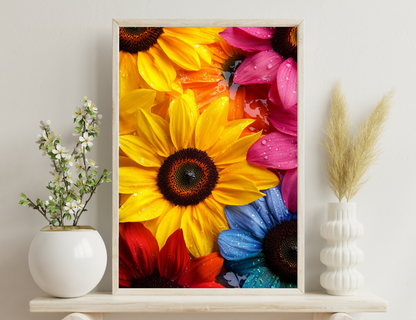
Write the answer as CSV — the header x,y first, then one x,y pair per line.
x,y
23,196
53,221
88,149
31,206
78,129
107,179
68,216
23,202
94,172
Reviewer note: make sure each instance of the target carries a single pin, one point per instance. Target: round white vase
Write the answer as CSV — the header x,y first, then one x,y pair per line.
x,y
67,262
341,256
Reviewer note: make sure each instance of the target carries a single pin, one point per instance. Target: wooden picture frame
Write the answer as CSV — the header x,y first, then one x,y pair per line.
x,y
117,24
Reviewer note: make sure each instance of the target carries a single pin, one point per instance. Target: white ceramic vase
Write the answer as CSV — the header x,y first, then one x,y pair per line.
x,y
341,256
67,263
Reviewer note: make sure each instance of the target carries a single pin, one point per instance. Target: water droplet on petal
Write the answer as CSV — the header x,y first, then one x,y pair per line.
x,y
263,142
267,157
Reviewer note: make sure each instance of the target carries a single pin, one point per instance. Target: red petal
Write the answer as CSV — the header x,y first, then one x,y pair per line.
x,y
201,270
259,68
243,40
173,257
285,120
207,285
127,269
143,247
287,83
290,190
274,94
275,150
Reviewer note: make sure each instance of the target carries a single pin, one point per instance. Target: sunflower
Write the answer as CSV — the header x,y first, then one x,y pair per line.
x,y
159,52
217,80
187,169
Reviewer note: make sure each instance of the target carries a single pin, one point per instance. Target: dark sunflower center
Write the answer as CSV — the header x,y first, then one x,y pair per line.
x,y
155,280
134,40
285,42
230,66
187,177
280,247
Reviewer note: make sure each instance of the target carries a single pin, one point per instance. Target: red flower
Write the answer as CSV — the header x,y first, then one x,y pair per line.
x,y
142,265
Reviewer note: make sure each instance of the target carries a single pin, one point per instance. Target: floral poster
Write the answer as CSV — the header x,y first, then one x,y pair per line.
x,y
208,157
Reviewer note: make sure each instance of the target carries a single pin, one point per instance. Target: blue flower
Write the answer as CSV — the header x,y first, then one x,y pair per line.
x,y
261,242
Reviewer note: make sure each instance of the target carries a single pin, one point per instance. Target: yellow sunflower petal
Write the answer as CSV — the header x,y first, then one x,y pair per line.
x,y
217,218
123,198
142,206
134,179
237,151
155,130
231,133
124,161
181,52
129,77
183,114
235,190
211,123
156,69
140,151
196,34
169,224
153,224
130,103
197,231
204,55
260,176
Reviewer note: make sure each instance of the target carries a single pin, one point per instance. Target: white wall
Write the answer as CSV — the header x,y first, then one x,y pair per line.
x,y
54,52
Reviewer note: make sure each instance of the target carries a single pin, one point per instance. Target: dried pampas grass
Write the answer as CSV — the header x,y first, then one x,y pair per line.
x,y
350,157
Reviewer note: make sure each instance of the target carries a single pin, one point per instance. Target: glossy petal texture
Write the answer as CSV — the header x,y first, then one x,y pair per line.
x,y
287,83
245,266
246,218
260,205
181,52
259,68
143,247
129,77
260,32
140,151
133,179
130,104
262,178
237,244
290,189
262,278
243,40
275,150
285,120
233,189
127,269
173,258
170,222
201,270
278,210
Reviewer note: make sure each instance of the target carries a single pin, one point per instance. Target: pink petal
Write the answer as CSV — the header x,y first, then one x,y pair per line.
x,y
274,94
259,68
275,150
241,39
290,190
260,32
285,120
287,83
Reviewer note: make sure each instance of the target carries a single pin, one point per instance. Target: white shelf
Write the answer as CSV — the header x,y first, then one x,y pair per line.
x,y
309,302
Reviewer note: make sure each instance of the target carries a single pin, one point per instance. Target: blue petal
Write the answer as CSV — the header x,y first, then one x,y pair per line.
x,y
245,266
262,278
277,207
263,210
236,244
246,218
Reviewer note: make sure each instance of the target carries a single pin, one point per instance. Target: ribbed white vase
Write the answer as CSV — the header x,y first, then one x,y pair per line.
x,y
341,256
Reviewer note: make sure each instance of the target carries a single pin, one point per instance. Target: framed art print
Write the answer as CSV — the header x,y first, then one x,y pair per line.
x,y
208,157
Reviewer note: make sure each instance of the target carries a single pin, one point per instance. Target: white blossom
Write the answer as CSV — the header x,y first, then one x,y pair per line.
x,y
50,139
92,164
88,118
87,103
93,127
99,117
70,177
56,177
71,206
78,150
86,140
78,113
93,108
61,152
74,190
41,137
44,149
70,160
79,165
45,125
